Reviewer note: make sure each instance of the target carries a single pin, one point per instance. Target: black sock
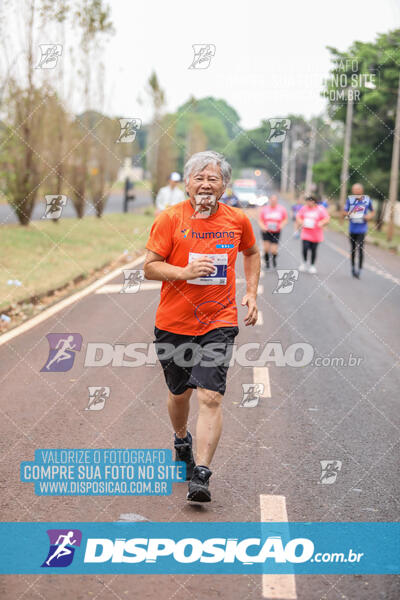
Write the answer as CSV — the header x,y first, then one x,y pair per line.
x,y
266,256
274,259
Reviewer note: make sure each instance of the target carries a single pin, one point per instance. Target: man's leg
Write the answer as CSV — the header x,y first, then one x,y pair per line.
x,y
178,409
352,250
209,425
360,240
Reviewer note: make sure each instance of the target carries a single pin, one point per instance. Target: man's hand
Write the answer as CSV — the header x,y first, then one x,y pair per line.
x,y
250,301
198,268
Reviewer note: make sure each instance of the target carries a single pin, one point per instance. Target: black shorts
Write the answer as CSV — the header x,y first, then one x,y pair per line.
x,y
271,236
195,361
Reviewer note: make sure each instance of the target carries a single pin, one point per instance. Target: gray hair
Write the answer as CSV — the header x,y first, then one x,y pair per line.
x,y
200,160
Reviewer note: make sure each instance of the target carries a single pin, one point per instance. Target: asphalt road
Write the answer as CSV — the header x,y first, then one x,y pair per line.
x,y
114,205
313,413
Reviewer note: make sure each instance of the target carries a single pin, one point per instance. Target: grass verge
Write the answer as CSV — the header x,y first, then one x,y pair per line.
x,y
47,256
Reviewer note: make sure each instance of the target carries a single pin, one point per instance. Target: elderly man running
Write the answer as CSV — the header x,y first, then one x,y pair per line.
x,y
192,248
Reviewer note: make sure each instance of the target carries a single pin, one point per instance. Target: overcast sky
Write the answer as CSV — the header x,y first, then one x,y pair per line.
x,y
270,56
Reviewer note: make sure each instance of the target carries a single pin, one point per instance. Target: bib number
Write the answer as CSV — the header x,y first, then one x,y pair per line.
x,y
309,223
358,216
218,276
272,226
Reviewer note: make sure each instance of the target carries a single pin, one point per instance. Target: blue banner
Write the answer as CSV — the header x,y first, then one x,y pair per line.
x,y
200,548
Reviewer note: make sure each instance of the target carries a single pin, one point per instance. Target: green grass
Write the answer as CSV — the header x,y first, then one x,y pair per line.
x,y
375,236
46,255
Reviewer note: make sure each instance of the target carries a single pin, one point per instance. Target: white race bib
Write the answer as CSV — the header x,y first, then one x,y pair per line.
x,y
218,276
272,226
309,223
358,216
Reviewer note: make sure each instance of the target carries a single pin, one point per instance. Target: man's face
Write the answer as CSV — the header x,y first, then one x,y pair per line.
x,y
172,183
357,190
208,181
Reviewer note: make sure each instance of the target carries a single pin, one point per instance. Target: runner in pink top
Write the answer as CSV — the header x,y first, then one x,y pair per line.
x,y
272,218
311,217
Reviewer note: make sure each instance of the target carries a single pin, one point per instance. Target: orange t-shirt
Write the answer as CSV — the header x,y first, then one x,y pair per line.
x,y
196,306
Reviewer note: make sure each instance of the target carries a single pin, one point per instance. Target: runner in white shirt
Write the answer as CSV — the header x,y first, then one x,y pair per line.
x,y
170,194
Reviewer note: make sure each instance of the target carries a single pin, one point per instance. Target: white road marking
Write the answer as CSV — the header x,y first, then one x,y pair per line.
x,y
260,320
273,509
115,288
131,517
52,310
261,375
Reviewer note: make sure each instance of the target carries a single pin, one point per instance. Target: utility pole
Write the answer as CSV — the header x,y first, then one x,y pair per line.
x,y
394,171
292,163
346,150
285,165
311,156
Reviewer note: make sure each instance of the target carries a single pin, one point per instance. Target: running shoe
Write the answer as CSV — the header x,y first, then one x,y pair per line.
x,y
312,270
355,273
198,486
302,267
184,452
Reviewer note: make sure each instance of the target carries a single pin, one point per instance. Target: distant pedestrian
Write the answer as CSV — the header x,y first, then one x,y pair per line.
x,y
311,218
129,195
359,211
170,194
272,219
295,209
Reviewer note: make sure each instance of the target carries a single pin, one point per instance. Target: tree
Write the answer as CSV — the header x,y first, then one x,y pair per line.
x,y
371,69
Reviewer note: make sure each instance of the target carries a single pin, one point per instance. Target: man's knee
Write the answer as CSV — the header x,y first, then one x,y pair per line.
x,y
209,398
179,398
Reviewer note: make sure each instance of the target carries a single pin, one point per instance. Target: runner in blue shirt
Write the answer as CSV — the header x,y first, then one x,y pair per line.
x,y
359,211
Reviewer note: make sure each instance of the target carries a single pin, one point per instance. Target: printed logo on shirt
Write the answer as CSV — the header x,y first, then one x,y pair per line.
x,y
212,235
185,232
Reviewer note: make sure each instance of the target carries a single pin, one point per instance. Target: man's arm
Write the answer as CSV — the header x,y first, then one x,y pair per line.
x,y
251,263
371,213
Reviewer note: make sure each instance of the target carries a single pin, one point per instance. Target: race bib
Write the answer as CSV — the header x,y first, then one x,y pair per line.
x,y
218,276
272,226
309,223
357,216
